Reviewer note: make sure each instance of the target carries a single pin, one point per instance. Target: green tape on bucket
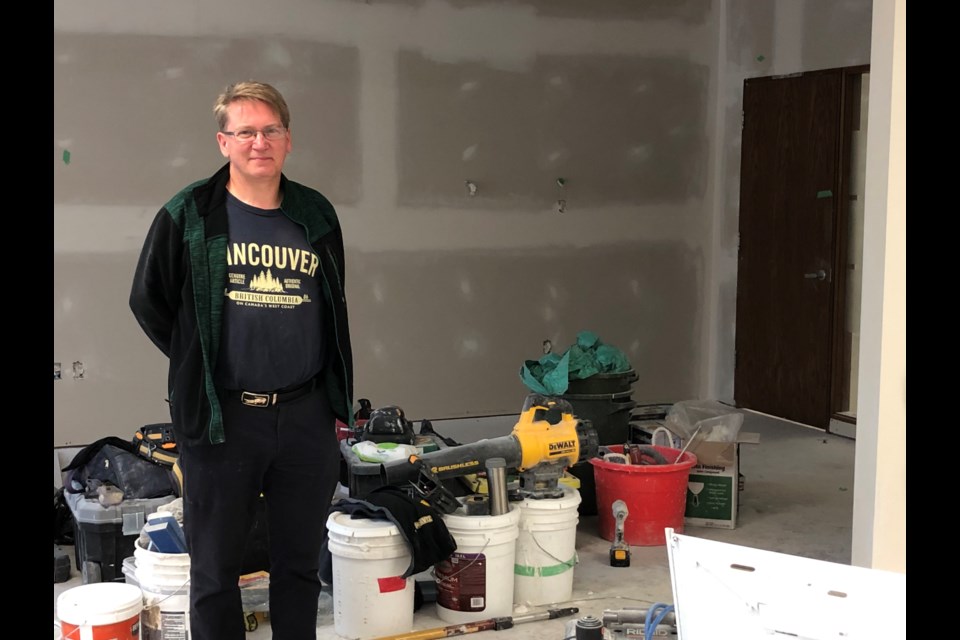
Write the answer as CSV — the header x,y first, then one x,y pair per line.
x,y
546,572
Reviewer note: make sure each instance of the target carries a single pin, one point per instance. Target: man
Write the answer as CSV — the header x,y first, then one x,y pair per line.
x,y
241,285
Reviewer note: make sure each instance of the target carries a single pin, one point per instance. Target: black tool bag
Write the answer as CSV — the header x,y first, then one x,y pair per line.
x,y
156,442
118,462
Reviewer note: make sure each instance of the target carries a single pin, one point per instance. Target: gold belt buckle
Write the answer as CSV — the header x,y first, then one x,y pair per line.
x,y
257,399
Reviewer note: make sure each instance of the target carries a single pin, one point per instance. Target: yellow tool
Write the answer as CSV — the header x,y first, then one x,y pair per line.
x,y
546,439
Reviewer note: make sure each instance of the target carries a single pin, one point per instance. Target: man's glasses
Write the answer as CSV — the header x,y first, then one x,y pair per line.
x,y
246,135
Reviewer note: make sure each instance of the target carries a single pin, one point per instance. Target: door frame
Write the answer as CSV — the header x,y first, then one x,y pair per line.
x,y
850,102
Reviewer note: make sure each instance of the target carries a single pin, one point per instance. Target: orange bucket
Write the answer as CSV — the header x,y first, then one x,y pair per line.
x,y
655,495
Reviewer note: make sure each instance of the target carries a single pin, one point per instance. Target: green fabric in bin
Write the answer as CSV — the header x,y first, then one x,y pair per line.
x,y
583,363
612,360
549,375
589,356
588,340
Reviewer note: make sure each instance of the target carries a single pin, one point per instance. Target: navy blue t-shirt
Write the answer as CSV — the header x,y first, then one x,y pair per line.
x,y
272,335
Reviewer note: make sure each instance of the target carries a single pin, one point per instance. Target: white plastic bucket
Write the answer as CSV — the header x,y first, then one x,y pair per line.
x,y
369,556
546,549
476,581
164,579
100,611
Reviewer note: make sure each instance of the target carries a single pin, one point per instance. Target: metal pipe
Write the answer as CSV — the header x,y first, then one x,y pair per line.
x,y
497,486
633,615
494,624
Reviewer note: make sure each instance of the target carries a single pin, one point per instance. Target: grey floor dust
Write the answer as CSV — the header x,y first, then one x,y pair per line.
x,y
797,499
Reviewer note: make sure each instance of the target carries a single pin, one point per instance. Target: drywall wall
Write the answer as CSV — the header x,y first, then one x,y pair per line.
x,y
758,39
880,498
476,312
396,106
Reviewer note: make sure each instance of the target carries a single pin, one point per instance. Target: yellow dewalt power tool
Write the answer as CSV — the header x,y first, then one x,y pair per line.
x,y
547,439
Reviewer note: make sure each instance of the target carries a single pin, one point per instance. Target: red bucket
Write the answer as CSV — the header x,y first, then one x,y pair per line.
x,y
655,495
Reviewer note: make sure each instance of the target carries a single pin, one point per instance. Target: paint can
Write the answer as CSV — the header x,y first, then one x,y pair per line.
x,y
100,611
546,549
476,581
164,579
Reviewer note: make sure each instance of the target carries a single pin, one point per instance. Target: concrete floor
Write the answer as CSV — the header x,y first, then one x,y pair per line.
x,y
797,499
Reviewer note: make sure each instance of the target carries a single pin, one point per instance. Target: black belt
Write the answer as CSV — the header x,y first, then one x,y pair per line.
x,y
267,399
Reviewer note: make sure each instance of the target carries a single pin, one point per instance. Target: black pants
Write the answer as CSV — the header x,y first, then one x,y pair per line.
x,y
290,453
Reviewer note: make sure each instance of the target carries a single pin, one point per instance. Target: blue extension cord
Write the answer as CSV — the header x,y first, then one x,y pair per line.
x,y
657,612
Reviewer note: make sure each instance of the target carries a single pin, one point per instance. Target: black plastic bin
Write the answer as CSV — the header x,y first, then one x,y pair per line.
x,y
609,413
104,536
603,383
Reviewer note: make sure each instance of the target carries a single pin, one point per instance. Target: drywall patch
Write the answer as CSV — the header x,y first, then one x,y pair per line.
x,y
684,11
439,353
621,129
437,121
452,34
133,106
750,26
123,381
634,128
836,34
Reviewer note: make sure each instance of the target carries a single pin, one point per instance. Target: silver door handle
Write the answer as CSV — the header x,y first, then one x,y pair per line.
x,y
819,275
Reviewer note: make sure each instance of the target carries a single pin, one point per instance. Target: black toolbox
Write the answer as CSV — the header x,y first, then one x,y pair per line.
x,y
105,536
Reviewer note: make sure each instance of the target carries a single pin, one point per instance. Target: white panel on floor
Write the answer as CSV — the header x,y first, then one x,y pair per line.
x,y
724,591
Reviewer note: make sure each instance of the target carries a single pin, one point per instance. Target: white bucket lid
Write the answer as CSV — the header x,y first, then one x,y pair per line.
x,y
570,500
99,603
177,561
460,521
343,524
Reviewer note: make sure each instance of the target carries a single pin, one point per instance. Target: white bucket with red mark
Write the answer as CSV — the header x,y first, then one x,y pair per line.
x,y
370,598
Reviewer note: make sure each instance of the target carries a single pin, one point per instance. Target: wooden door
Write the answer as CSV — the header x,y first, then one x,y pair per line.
x,y
789,195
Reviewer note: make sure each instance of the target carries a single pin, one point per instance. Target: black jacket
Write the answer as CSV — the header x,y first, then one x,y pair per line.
x,y
422,527
177,297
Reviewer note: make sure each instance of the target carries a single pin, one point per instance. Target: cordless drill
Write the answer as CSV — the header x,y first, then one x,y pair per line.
x,y
619,550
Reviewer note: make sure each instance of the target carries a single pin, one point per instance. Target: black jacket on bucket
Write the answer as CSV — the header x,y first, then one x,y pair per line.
x,y
177,297
422,527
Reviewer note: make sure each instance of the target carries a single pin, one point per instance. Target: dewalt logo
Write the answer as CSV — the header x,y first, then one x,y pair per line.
x,y
563,446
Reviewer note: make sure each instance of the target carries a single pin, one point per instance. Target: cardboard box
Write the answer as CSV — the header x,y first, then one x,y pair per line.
x,y
714,485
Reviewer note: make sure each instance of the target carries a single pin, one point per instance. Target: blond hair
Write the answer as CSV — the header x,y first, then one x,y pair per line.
x,y
251,90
